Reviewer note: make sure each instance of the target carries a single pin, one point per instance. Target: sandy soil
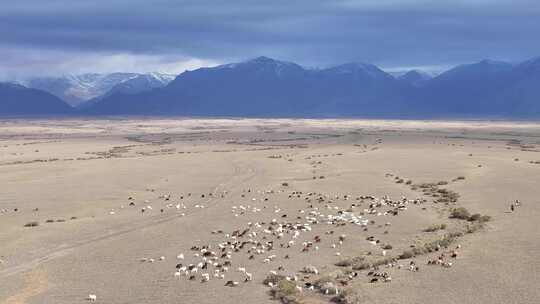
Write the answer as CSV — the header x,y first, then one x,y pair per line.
x,y
86,183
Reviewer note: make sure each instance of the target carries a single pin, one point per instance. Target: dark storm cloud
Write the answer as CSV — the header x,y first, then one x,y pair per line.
x,y
390,33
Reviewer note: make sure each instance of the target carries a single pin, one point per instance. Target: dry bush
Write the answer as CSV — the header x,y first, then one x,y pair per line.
x,y
347,296
350,261
460,213
477,217
475,226
447,196
361,266
435,227
323,280
432,246
407,254
383,261
285,291
273,278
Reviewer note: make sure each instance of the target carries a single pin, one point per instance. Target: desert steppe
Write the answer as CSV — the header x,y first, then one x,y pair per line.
x,y
109,207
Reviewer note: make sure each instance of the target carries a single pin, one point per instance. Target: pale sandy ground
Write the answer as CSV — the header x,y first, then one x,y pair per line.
x,y
89,168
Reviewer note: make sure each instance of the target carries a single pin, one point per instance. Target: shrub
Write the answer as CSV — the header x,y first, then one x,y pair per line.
x,y
474,217
435,227
460,213
349,261
474,227
484,218
323,280
273,278
31,224
49,221
361,266
383,261
407,254
347,296
285,291
477,217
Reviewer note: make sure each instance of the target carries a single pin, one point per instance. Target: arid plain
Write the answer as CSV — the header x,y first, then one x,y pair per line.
x,y
267,210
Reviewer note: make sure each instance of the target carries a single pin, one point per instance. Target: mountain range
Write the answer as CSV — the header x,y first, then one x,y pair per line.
x,y
78,89
19,100
267,87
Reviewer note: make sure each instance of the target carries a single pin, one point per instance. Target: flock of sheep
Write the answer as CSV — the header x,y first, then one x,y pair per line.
x,y
279,234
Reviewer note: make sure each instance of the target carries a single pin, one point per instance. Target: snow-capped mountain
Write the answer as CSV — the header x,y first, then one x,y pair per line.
x,y
265,87
141,83
268,87
359,69
76,89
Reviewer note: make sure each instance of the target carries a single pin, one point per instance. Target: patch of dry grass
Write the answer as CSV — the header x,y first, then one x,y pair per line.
x,y
435,227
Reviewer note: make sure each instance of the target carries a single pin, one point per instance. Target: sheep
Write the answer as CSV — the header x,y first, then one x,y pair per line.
x,y
231,284
92,297
310,269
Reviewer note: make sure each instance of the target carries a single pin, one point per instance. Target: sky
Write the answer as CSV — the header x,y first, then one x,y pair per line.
x,y
54,37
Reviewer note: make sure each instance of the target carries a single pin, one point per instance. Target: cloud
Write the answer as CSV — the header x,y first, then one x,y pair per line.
x,y
19,64
390,33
